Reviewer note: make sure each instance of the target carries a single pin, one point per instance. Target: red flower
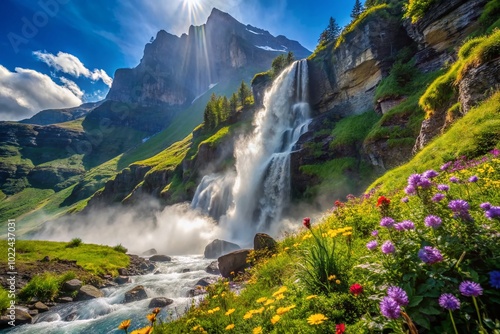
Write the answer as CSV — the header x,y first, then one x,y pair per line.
x,y
382,201
338,203
356,289
340,329
307,222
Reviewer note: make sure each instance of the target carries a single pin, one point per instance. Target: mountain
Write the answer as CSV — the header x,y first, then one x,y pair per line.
x,y
53,116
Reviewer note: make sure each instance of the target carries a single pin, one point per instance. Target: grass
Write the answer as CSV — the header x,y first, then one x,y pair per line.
x,y
353,129
96,259
45,287
26,200
416,9
75,125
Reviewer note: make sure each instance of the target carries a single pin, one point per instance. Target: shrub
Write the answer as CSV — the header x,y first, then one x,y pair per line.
x,y
4,299
120,248
75,242
45,286
416,9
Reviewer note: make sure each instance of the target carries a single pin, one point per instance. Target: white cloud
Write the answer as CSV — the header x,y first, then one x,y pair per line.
x,y
25,92
68,63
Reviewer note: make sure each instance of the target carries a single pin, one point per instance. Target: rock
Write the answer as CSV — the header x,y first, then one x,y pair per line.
x,y
213,268
196,292
64,300
160,302
123,272
219,247
33,312
107,284
160,258
72,285
234,262
122,280
186,270
88,292
45,259
41,307
136,294
151,251
22,317
71,316
206,281
158,272
478,83
263,241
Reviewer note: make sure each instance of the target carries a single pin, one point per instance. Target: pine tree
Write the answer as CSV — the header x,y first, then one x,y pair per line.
x,y
233,102
243,93
357,10
323,38
370,3
290,58
332,31
225,109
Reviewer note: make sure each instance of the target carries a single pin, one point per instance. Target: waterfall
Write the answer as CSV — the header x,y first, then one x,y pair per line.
x,y
255,197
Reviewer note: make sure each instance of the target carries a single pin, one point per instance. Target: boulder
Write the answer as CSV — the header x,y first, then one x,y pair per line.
x,y
186,270
136,294
205,281
88,292
22,317
72,285
123,271
213,268
219,247
64,300
196,292
160,258
149,252
122,280
479,83
232,263
41,307
263,241
160,302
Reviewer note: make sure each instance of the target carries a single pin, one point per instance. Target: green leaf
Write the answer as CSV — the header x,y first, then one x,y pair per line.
x,y
430,310
422,321
415,300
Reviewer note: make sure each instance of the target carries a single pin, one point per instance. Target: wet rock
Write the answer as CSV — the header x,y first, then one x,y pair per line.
x,y
186,270
158,272
88,292
123,272
213,268
196,292
263,241
206,281
22,317
234,262
219,247
136,294
151,251
33,312
122,280
72,285
41,307
64,300
71,317
160,258
160,302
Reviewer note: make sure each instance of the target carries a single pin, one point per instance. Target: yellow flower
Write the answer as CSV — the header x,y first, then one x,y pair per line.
x,y
151,317
257,330
337,281
213,310
145,330
280,291
261,299
346,234
316,319
229,327
275,319
195,328
156,310
286,248
311,297
215,296
269,302
296,245
258,311
283,310
280,296
230,311
248,315
332,277
125,324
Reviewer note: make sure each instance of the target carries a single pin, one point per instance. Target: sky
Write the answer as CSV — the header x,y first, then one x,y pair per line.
x,y
62,53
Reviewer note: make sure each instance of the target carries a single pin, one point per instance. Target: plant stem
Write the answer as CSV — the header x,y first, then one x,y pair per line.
x,y
478,316
453,322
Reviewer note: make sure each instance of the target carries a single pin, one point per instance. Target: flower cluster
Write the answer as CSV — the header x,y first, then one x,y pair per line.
x,y
460,209
490,211
430,255
390,306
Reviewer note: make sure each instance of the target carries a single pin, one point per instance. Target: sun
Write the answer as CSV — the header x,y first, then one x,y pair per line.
x,y
192,6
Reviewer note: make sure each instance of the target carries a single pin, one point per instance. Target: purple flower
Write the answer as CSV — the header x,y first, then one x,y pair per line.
x,y
404,199
390,308
425,183
470,289
388,247
410,190
398,294
374,233
404,225
495,152
443,187
495,279
438,197
433,221
485,206
460,208
387,222
372,245
430,174
493,212
449,301
454,179
473,178
414,180
446,165
430,255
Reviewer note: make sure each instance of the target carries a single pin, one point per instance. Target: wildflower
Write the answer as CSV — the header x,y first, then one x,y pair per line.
x,y
485,206
258,311
425,183
438,197
495,279
414,180
387,222
356,289
156,310
443,187
410,190
430,255
388,247
382,201
269,302
473,178
229,327
283,310
338,203
430,174
125,324
445,166
374,233
404,225
390,308
307,222
280,296
340,329
316,319
275,319
398,294
460,208
405,200
493,212
337,281
310,297
144,330
331,277
449,301
280,291
433,221
257,330
454,179
371,245
470,289
230,311
261,300
151,317
248,315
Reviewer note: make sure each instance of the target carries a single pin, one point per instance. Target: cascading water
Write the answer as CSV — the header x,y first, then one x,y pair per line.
x,y
261,188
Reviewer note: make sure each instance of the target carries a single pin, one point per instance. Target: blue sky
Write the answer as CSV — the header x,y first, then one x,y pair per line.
x,y
59,53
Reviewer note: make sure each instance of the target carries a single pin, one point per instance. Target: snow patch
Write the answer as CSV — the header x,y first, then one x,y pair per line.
x,y
254,32
268,48
212,85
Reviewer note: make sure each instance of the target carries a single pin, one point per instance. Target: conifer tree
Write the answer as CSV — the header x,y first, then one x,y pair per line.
x,y
357,9
243,92
332,31
233,102
290,58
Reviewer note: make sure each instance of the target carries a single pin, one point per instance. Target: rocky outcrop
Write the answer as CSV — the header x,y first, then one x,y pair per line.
x,y
53,116
263,241
479,83
219,247
160,258
233,263
213,268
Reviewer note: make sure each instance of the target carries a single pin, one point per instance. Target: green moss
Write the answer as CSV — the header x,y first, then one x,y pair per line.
x,y
400,82
416,9
490,16
353,129
482,51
